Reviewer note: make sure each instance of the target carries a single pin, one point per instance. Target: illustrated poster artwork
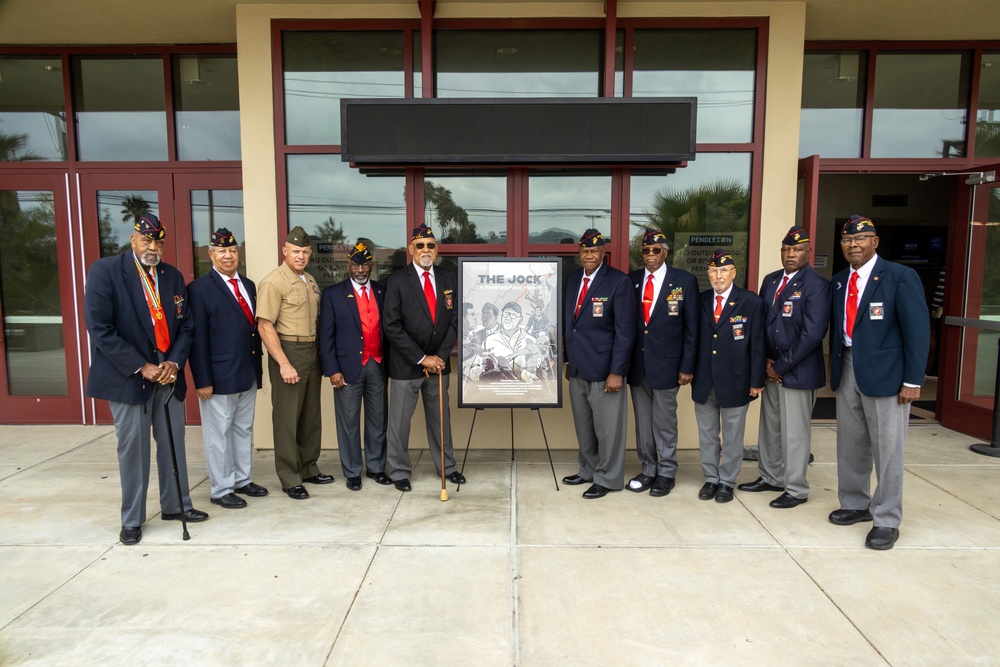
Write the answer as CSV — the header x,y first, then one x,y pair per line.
x,y
509,333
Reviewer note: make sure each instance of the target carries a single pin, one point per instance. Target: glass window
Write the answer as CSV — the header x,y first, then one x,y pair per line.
x,y
207,103
833,89
29,289
32,110
561,207
700,208
120,108
321,68
210,210
518,63
466,209
338,206
920,105
716,66
117,211
988,119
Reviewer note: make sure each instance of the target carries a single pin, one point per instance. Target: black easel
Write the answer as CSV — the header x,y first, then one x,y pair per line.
x,y
544,437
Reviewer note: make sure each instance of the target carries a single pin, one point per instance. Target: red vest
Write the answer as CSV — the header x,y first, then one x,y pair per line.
x,y
369,326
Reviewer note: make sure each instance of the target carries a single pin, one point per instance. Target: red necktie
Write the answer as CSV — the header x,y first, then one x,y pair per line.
x,y
429,293
583,293
647,299
784,281
240,300
152,291
718,307
852,303
364,294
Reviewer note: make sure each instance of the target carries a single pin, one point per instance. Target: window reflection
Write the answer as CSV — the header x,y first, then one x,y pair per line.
x,y
561,208
700,208
716,66
321,68
210,210
29,289
920,105
32,110
988,119
518,63
120,108
117,212
337,206
833,86
466,209
207,101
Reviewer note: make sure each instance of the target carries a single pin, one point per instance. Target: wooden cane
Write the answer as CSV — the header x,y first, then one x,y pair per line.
x,y
444,489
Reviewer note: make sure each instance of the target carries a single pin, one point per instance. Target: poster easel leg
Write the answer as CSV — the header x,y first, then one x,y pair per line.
x,y
547,450
467,443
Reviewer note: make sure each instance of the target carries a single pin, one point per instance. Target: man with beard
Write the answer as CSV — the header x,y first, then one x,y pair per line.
x,y
421,325
795,323
729,374
663,359
353,352
286,317
227,370
879,340
140,336
599,330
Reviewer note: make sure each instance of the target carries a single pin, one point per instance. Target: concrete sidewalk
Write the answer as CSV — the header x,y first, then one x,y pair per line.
x,y
507,572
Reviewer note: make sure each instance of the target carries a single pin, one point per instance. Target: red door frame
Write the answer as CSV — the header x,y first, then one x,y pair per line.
x,y
965,258
51,409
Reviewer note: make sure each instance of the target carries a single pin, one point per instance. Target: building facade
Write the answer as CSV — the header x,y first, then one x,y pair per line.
x,y
220,113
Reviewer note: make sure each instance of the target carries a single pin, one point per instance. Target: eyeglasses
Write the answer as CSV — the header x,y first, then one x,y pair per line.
x,y
848,240
652,251
420,246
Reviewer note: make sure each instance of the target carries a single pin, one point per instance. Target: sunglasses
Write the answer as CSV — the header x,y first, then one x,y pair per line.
x,y
652,251
420,246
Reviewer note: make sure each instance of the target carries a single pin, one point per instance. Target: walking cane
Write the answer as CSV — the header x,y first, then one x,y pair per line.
x,y
173,459
444,490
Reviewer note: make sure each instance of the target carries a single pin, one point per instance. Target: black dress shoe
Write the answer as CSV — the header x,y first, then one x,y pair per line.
x,y
191,516
639,483
786,501
354,483
297,492
708,491
456,478
759,485
319,479
130,535
597,491
379,477
251,489
661,486
230,501
403,485
881,539
849,517
724,493
574,480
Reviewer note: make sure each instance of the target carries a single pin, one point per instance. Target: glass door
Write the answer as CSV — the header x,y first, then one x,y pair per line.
x,y
39,343
972,307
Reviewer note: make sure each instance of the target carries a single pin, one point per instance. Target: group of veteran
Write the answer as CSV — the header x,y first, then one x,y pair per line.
x,y
651,330
733,346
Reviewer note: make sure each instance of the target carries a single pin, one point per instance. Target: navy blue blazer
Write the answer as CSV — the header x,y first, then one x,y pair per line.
x,y
796,325
121,329
668,345
891,338
226,351
407,325
341,341
731,353
599,341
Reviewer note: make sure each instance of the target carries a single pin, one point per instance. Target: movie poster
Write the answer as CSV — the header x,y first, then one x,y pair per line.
x,y
509,324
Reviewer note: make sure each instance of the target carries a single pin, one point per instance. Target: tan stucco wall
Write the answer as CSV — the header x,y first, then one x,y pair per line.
x,y
787,25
